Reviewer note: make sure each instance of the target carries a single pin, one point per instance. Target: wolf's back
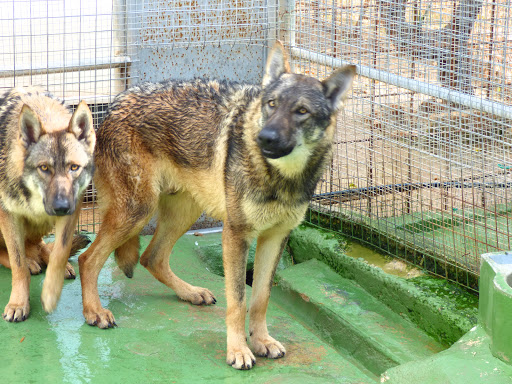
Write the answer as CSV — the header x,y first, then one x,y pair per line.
x,y
174,119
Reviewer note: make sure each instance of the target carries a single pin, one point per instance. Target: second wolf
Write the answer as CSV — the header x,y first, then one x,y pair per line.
x,y
245,154
45,165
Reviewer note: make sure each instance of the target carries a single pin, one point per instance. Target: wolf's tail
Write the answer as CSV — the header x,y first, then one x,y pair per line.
x,y
79,242
127,255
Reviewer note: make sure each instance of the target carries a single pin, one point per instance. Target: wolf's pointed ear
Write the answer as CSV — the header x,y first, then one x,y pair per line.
x,y
337,85
277,64
81,125
30,126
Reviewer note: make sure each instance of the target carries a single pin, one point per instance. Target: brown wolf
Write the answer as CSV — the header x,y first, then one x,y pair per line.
x,y
248,155
45,165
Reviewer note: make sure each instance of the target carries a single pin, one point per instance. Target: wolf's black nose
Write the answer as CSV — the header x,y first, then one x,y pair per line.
x,y
272,144
268,139
61,207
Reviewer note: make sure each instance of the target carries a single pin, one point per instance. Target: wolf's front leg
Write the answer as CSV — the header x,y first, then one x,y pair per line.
x,y
235,248
268,252
13,233
58,263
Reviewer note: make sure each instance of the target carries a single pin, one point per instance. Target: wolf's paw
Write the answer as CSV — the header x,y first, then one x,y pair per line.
x,y
241,358
267,347
50,295
16,313
69,273
197,296
102,318
35,267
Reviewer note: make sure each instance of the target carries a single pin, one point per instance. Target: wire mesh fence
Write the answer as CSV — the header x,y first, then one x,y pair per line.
x,y
178,24
422,161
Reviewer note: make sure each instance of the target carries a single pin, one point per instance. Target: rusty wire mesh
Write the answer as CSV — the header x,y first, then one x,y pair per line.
x,y
423,154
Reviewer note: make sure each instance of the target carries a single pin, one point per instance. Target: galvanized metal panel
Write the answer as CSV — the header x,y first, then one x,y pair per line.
x,y
186,39
238,63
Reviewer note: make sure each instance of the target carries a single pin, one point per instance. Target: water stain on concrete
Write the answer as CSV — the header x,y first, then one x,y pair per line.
x,y
386,263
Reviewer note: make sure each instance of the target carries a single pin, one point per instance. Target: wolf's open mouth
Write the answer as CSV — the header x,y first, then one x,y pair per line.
x,y
276,153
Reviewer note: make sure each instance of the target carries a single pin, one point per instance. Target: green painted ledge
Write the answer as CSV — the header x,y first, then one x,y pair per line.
x,y
496,302
440,308
483,354
468,361
161,339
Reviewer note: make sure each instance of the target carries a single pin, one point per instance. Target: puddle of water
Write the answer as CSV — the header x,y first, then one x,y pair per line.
x,y
387,264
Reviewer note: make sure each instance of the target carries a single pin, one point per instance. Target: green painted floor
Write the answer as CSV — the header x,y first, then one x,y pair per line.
x,y
159,339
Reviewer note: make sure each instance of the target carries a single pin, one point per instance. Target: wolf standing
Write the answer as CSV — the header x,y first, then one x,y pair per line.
x,y
248,155
45,166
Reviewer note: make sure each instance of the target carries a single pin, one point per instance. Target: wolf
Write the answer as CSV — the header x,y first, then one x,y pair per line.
x,y
247,154
46,163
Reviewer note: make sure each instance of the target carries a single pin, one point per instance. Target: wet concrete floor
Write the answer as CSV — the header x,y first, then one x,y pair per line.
x,y
159,339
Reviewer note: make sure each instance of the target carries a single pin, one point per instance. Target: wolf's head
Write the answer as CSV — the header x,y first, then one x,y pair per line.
x,y
58,160
298,111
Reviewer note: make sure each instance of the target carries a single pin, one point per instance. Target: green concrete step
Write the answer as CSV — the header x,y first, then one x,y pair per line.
x,y
159,339
349,318
438,307
468,361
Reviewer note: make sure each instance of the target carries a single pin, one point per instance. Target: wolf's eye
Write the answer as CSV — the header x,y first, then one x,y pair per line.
x,y
74,167
302,111
43,168
272,103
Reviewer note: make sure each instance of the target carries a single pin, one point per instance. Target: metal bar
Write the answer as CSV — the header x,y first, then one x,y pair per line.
x,y
116,62
364,193
450,95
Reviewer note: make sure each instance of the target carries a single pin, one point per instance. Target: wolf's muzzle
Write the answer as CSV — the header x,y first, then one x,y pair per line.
x,y
61,207
272,145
